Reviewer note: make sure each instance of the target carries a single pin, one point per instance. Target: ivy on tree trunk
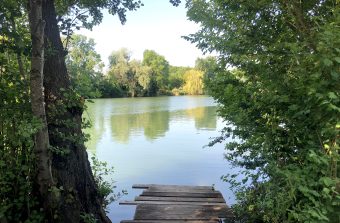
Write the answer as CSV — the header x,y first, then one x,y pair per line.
x,y
71,168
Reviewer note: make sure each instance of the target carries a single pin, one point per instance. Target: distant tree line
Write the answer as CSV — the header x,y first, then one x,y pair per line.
x,y
128,77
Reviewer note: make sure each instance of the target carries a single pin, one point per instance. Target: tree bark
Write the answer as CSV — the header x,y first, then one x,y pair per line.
x,y
72,170
43,162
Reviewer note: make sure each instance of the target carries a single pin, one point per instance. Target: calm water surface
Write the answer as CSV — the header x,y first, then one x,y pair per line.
x,y
157,140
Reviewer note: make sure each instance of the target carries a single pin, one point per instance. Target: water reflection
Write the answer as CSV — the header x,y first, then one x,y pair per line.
x,y
150,117
153,124
157,140
205,117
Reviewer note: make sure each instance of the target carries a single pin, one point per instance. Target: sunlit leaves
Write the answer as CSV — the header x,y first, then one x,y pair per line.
x,y
193,82
282,98
159,66
84,66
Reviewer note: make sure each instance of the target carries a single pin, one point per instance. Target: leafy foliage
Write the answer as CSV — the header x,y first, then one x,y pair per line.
x,y
101,171
193,82
159,66
208,66
280,94
84,66
72,15
125,77
176,76
153,76
18,165
130,76
90,14
17,127
18,201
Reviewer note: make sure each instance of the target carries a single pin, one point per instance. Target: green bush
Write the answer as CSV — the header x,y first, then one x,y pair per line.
x,y
17,127
278,91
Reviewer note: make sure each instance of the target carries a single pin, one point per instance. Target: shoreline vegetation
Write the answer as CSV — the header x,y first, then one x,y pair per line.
x,y
126,77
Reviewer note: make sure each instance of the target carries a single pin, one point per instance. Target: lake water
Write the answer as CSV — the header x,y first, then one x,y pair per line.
x,y
157,140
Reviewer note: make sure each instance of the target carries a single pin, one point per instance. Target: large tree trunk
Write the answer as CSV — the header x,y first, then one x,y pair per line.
x,y
70,165
44,178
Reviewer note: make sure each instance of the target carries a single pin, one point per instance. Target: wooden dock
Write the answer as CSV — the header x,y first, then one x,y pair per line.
x,y
174,203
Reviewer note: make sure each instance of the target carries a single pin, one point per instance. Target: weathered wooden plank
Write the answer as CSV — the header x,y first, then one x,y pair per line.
x,y
170,221
212,194
172,203
180,212
175,187
178,189
181,199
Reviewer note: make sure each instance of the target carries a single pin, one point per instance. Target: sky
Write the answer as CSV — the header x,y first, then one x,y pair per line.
x,y
156,26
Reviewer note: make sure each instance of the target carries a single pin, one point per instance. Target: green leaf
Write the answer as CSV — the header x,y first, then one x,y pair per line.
x,y
326,190
335,75
327,62
332,95
337,59
326,181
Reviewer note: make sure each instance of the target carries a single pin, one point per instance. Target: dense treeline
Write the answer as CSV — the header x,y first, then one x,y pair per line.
x,y
126,77
278,90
